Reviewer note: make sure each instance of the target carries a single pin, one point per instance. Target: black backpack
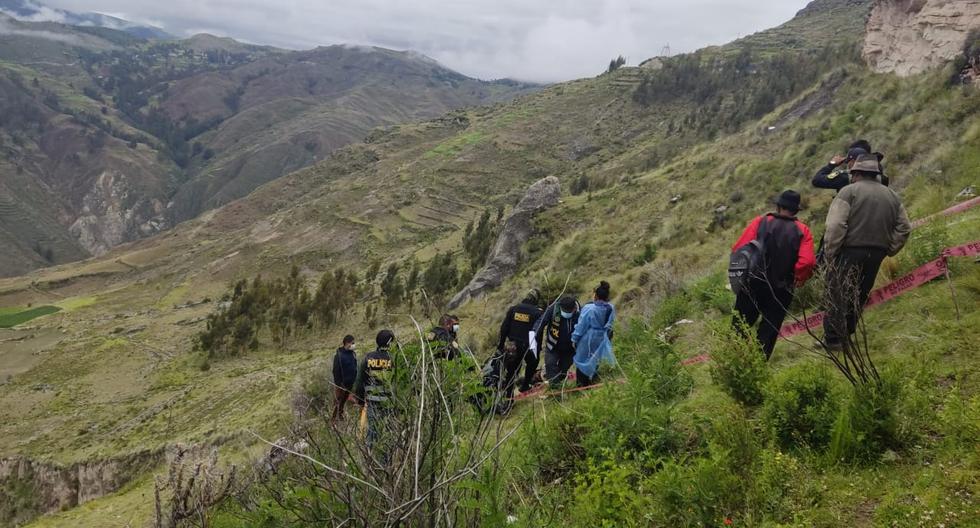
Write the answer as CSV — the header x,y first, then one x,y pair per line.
x,y
749,261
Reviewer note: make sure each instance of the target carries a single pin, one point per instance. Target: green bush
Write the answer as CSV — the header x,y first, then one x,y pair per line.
x,y
868,424
738,365
778,492
659,372
801,406
611,495
711,293
701,493
672,309
316,391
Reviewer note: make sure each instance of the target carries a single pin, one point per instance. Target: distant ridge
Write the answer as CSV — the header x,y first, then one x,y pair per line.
x,y
33,11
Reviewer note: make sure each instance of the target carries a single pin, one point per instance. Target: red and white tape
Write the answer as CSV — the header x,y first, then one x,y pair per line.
x,y
958,208
922,275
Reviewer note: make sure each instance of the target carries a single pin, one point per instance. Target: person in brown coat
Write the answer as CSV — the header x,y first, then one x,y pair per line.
x,y
866,223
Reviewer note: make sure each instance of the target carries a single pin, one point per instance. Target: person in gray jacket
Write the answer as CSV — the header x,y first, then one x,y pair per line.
x,y
866,223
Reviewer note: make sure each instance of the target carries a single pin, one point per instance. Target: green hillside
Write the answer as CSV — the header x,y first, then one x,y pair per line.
x,y
111,138
667,164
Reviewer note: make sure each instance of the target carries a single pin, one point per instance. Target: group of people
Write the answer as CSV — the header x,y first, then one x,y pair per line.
x,y
564,332
866,222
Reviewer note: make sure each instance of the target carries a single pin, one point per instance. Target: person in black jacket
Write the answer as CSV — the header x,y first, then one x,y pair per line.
x,y
835,175
443,338
555,328
373,389
514,333
344,375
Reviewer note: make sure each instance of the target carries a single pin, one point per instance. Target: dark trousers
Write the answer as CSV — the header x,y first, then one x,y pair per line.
x,y
769,302
850,278
512,371
340,395
556,365
531,361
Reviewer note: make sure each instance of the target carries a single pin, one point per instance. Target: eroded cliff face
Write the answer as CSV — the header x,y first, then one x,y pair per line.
x,y
30,488
112,214
907,37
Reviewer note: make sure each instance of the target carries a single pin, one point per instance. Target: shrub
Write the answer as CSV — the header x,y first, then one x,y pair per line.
x,y
777,489
801,406
611,495
711,293
702,493
672,309
315,392
867,425
738,365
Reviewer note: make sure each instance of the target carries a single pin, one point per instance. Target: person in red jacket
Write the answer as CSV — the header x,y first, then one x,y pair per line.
x,y
789,262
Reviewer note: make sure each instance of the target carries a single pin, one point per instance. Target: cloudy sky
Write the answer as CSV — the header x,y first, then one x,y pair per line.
x,y
535,40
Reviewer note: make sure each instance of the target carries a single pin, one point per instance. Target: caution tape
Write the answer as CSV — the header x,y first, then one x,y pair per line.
x,y
922,275
958,208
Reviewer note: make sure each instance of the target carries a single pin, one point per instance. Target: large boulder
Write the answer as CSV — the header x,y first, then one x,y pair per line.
x,y
516,231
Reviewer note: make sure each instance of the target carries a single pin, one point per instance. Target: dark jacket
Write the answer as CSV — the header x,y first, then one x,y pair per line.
x,y
443,343
345,368
374,374
832,177
866,214
788,248
836,177
556,332
518,322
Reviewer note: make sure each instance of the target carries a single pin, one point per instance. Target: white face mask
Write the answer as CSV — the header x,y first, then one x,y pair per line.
x,y
353,346
455,328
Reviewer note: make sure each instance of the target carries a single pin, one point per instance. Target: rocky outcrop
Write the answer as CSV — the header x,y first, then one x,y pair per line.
x,y
42,487
112,214
517,229
912,36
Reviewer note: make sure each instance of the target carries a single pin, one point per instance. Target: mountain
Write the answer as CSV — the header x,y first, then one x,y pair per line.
x,y
32,11
663,167
120,138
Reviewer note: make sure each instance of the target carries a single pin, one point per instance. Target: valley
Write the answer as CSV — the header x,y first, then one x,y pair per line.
x,y
368,160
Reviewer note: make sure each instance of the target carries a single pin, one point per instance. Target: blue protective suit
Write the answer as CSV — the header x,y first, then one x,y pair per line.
x,y
591,337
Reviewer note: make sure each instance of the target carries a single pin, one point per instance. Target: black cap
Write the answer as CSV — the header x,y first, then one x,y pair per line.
x,y
789,200
856,152
384,339
567,304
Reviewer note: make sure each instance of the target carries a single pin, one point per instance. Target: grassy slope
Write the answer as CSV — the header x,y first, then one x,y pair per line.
x,y
532,136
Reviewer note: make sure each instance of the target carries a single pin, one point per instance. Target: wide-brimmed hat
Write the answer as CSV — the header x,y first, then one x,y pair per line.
x,y
789,200
867,163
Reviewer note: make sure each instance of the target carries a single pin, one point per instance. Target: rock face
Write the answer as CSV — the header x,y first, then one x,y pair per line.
x,y
41,487
516,231
907,37
112,213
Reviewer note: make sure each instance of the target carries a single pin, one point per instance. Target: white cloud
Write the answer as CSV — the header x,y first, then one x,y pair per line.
x,y
527,39
6,29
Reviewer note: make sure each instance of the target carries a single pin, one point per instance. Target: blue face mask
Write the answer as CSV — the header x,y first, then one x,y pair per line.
x,y
566,315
